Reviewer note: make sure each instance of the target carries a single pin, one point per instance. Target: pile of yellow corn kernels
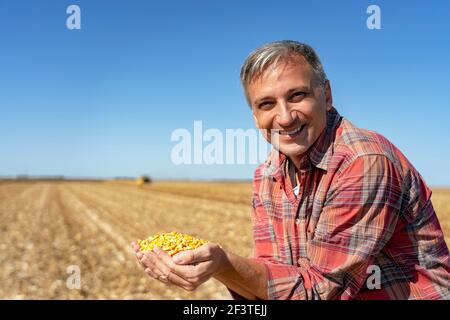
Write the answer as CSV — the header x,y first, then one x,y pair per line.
x,y
171,242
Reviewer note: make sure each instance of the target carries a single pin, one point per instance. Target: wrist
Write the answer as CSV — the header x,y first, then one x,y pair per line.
x,y
224,262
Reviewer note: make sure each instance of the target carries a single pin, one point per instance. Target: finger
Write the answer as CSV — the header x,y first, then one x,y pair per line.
x,y
203,268
148,260
151,273
162,259
135,247
184,257
155,262
199,273
173,278
150,263
139,262
202,253
185,273
160,269
139,256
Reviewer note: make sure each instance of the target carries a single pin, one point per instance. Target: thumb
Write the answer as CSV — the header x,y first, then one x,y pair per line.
x,y
184,257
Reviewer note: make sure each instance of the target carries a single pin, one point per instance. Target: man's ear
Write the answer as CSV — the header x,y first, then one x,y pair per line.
x,y
328,96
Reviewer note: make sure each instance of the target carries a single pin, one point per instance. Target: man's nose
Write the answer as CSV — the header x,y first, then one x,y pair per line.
x,y
285,115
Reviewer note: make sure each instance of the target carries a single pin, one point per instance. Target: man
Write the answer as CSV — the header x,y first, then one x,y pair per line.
x,y
338,211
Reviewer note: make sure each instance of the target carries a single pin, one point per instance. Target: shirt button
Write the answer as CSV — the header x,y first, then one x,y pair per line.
x,y
297,221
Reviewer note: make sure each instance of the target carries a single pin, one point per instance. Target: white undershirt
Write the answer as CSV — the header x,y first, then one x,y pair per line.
x,y
296,190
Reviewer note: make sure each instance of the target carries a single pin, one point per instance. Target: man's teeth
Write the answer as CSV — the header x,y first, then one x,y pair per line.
x,y
291,132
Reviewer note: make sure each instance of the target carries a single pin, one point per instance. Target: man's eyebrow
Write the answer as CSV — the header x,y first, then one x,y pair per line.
x,y
289,92
301,88
262,99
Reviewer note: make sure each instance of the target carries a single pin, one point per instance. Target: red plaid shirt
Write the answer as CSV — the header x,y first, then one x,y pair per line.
x,y
363,214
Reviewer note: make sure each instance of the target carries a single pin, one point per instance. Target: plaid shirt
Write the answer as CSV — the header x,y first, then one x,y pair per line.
x,y
363,214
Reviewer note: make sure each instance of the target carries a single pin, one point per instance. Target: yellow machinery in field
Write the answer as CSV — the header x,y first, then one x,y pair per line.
x,y
140,181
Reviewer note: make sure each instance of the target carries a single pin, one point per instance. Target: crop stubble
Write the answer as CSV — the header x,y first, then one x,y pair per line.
x,y
48,226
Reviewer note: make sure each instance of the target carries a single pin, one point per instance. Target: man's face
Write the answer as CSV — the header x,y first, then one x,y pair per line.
x,y
290,106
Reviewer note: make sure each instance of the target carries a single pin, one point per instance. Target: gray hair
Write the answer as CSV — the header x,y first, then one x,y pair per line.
x,y
272,53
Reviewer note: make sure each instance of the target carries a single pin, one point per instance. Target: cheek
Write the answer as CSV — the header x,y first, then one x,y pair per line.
x,y
264,121
316,122
320,122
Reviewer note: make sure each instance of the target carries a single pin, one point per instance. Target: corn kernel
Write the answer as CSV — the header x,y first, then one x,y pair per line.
x,y
171,242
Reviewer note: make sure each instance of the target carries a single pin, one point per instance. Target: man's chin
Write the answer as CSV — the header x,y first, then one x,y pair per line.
x,y
293,152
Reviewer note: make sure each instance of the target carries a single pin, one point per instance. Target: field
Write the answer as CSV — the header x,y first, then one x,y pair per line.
x,y
48,226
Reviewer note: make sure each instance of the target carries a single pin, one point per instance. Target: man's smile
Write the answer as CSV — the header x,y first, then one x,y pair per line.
x,y
293,132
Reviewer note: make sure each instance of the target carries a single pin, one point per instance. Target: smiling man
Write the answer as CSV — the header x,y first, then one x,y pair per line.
x,y
338,211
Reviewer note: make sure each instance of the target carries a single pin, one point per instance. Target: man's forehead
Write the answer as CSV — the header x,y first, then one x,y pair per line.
x,y
276,71
297,74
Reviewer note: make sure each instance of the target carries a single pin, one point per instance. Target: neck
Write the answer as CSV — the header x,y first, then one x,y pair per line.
x,y
298,160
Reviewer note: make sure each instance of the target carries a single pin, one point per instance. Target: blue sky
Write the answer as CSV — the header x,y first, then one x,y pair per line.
x,y
103,101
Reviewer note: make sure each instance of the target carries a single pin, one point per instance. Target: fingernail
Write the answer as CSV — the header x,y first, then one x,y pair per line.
x,y
139,255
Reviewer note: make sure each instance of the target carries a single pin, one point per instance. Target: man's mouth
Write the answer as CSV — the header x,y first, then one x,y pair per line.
x,y
292,133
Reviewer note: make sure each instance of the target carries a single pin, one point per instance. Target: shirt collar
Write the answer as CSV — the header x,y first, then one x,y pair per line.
x,y
319,155
322,150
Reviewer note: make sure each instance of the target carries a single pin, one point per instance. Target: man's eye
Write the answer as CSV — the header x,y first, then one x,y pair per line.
x,y
265,104
298,95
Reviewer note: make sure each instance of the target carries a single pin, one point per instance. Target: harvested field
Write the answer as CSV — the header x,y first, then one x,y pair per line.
x,y
48,226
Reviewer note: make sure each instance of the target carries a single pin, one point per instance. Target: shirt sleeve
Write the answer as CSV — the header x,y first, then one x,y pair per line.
x,y
357,220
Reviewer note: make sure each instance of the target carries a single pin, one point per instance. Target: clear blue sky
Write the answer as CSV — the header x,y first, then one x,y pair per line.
x,y
102,101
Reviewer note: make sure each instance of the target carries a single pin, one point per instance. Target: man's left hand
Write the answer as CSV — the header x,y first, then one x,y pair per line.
x,y
187,269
